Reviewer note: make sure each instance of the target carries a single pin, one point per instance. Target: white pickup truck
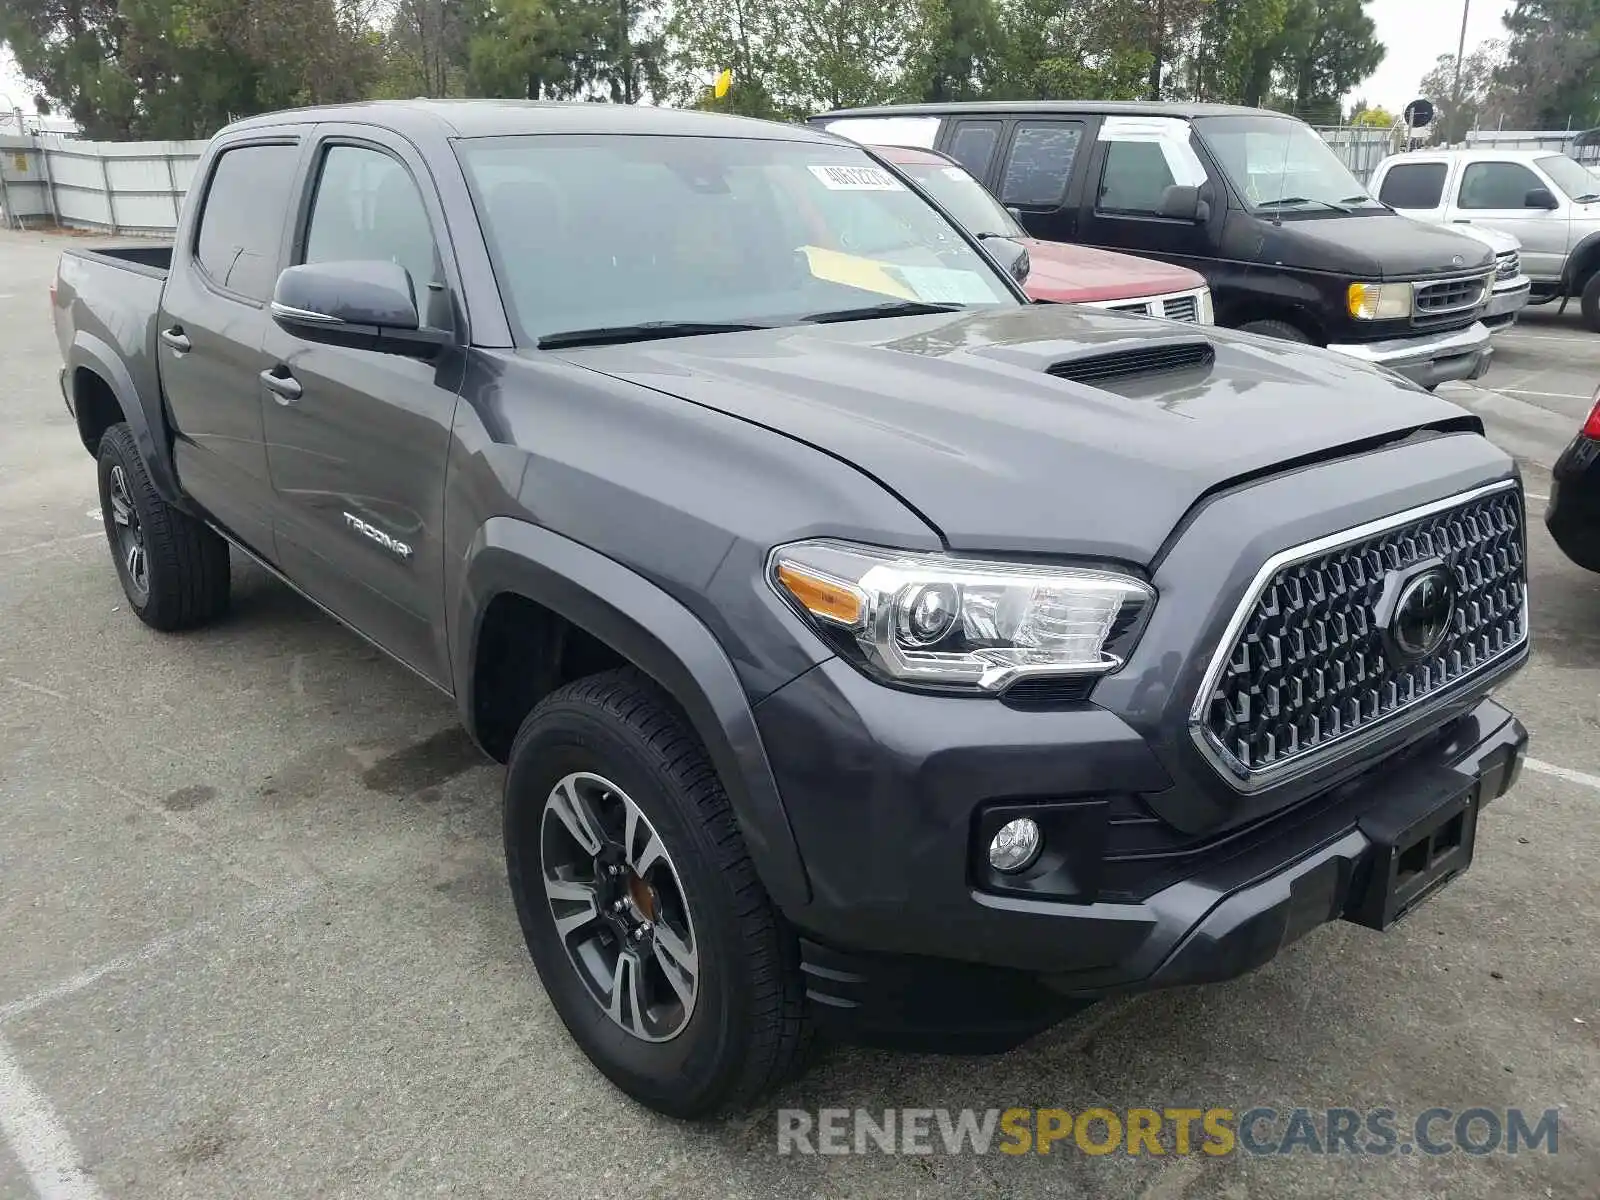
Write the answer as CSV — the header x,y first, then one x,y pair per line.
x,y
1550,203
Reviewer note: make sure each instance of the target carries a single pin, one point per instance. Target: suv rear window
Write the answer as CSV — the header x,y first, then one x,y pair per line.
x,y
1413,185
1040,163
242,223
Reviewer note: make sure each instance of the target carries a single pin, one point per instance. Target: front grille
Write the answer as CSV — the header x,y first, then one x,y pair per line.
x,y
1182,308
1451,296
1142,307
1101,369
1507,265
1308,667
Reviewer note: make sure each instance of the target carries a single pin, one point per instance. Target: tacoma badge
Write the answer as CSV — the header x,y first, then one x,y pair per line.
x,y
394,545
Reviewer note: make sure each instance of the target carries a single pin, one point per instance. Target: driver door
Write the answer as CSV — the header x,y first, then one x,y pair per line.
x,y
358,440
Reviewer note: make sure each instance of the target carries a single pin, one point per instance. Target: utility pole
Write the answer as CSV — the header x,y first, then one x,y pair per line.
x,y
1461,49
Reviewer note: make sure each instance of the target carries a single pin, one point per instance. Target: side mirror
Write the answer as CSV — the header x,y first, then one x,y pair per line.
x,y
367,305
1012,256
1016,213
1183,202
1541,198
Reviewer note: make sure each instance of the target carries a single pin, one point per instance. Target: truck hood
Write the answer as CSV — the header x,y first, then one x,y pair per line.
x,y
1372,245
1067,274
957,415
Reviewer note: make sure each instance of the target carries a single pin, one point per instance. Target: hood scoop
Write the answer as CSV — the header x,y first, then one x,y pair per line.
x,y
1146,359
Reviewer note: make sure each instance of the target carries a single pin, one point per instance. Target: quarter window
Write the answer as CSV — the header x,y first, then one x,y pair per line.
x,y
1413,185
1042,154
241,227
368,209
973,145
1497,185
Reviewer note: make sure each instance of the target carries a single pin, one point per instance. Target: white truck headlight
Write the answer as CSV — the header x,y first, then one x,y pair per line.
x,y
1380,301
951,622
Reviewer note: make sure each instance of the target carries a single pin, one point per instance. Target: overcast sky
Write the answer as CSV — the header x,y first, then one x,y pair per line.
x,y
1416,32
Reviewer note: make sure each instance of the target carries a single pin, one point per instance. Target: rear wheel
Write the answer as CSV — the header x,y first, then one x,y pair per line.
x,y
654,939
1589,302
174,570
1281,330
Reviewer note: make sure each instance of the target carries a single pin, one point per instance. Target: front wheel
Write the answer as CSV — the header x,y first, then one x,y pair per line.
x,y
654,938
174,569
1281,330
1589,302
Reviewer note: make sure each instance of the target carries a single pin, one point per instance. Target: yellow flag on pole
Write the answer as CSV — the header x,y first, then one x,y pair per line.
x,y
724,82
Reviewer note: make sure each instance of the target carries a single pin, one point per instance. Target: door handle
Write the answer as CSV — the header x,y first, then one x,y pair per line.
x,y
175,338
1462,221
284,388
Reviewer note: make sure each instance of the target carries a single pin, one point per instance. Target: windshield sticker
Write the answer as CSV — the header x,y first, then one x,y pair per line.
x,y
945,285
857,179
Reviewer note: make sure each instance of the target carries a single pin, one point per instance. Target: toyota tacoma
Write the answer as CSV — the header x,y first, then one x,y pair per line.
x,y
909,668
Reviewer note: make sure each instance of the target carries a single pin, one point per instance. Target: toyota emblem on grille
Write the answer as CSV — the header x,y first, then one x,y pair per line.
x,y
1416,609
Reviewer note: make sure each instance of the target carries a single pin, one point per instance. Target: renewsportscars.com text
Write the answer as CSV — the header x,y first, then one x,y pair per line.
x,y
1376,1132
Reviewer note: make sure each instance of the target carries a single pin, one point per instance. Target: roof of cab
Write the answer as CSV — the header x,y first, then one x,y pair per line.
x,y
497,118
1140,108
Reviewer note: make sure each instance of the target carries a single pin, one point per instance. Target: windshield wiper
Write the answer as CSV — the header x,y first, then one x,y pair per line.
x,y
608,335
1282,200
895,308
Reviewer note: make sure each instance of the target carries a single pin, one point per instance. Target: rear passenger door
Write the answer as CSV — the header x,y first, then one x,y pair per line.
x,y
359,445
1040,174
213,320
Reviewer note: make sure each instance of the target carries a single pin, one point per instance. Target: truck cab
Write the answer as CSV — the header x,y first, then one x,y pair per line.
x,y
1547,201
1290,243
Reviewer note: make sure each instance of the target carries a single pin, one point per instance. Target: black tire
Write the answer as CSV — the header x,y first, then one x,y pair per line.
x,y
1589,302
745,1031
184,580
1281,330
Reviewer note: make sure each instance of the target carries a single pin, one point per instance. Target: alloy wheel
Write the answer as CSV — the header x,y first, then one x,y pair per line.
x,y
619,906
129,534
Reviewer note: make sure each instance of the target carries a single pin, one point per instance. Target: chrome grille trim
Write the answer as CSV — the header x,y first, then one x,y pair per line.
x,y
1243,779
1508,265
1449,296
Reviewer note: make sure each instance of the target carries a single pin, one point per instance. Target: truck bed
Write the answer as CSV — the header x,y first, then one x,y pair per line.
x,y
150,258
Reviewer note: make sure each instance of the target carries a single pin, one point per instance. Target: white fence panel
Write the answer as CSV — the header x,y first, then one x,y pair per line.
x,y
118,187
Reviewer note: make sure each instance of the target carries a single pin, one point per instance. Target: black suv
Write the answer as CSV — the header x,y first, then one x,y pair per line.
x,y
1290,242
869,648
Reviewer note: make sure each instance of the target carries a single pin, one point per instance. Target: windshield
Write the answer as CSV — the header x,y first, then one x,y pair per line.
x,y
1569,176
965,198
594,232
1278,163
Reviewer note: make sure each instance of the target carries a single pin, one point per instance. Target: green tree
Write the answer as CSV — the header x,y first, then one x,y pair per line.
x,y
1378,117
963,42
841,53
1069,49
1482,99
1328,46
1234,51
536,50
427,46
1552,68
744,36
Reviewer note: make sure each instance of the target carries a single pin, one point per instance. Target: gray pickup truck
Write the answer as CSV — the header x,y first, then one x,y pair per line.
x,y
871,650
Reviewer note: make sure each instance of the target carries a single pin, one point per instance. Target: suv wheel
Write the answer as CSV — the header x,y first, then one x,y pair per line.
x,y
174,570
658,947
1281,330
1589,302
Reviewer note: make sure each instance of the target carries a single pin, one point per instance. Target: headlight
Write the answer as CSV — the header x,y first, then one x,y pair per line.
x,y
958,623
1380,301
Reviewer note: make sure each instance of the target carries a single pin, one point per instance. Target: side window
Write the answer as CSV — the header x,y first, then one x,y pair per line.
x,y
973,145
1042,153
1135,178
242,223
1497,185
368,208
1413,185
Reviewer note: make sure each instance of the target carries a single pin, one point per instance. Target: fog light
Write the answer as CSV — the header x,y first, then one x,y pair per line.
x,y
1015,846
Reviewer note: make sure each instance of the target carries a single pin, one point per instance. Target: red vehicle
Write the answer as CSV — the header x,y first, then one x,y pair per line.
x,y
1060,272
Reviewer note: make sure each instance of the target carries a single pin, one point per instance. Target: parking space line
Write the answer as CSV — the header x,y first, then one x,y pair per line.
x,y
37,1138
284,900
1567,773
1550,395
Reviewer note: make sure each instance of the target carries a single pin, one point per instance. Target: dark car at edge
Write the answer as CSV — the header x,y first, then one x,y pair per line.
x,y
914,671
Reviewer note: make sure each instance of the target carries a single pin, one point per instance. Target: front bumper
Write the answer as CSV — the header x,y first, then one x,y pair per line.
x,y
1429,359
902,947
1509,298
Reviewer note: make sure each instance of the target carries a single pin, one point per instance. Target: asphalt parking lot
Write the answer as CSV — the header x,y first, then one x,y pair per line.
x,y
255,939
